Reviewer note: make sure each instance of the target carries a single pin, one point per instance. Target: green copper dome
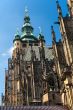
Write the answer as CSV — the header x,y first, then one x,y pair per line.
x,y
17,37
41,37
27,29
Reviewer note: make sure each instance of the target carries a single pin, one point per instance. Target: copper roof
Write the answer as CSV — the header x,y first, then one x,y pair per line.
x,y
34,108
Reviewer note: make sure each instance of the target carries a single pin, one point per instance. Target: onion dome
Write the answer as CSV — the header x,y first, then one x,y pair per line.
x,y
41,37
17,37
27,29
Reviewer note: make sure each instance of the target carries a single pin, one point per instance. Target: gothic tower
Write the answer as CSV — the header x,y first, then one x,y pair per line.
x,y
64,54
30,60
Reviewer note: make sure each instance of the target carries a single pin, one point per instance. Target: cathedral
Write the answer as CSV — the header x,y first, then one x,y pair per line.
x,y
38,74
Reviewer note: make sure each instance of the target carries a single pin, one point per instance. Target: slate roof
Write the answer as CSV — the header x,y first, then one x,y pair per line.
x,y
48,53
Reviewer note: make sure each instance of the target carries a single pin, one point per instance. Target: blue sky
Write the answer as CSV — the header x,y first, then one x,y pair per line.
x,y
42,13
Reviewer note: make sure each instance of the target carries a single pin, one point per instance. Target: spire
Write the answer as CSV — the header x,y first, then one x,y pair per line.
x,y
40,30
27,29
26,11
59,8
53,34
26,18
17,31
17,36
41,37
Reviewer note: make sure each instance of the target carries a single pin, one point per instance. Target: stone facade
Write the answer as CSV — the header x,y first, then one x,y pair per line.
x,y
63,53
30,61
41,75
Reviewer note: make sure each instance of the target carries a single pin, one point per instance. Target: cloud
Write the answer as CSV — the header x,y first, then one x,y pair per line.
x,y
8,52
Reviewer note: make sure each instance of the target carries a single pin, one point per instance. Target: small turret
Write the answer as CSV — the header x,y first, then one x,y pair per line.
x,y
41,38
53,35
59,8
17,40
